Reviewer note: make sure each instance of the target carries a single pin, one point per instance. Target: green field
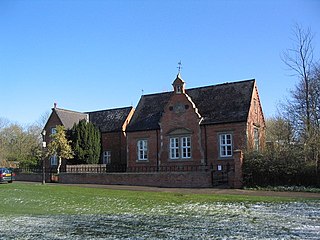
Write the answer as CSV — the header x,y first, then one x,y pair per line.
x,y
29,211
19,198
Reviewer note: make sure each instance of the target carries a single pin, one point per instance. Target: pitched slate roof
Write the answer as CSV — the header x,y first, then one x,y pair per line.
x,y
69,118
110,120
148,112
106,120
223,103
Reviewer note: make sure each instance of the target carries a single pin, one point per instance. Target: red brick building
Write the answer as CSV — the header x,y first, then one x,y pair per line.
x,y
184,130
196,127
112,124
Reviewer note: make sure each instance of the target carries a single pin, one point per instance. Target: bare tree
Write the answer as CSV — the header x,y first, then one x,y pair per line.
x,y
279,130
299,59
19,144
303,108
41,122
3,123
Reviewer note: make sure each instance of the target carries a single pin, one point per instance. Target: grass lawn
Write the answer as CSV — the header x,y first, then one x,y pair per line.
x,y
37,199
35,211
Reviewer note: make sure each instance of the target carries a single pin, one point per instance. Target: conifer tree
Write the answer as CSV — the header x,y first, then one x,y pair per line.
x,y
86,142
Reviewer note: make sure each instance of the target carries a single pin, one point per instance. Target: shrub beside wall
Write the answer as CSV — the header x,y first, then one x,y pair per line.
x,y
284,166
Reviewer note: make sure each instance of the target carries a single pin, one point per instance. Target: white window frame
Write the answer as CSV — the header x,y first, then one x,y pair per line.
x,y
225,145
142,148
180,147
174,148
185,147
106,157
54,160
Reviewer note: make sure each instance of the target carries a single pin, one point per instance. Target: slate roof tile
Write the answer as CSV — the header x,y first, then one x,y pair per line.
x,y
223,103
110,120
69,118
106,120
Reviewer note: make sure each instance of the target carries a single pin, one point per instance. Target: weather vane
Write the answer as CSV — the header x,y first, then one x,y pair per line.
x,y
179,66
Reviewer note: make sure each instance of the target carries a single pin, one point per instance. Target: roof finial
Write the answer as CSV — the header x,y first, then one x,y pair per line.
x,y
179,67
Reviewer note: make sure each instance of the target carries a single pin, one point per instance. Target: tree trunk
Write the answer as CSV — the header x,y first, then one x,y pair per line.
x,y
59,165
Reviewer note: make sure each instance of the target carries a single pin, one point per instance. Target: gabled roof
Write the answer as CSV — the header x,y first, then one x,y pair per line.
x,y
148,112
110,120
223,103
106,120
69,118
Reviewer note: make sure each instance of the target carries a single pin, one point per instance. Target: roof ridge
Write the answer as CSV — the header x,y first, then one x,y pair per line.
x,y
110,109
67,110
214,85
221,84
152,94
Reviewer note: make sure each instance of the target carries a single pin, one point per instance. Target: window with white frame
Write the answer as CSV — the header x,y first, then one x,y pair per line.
x,y
180,147
186,147
225,142
142,146
54,160
256,139
106,157
174,148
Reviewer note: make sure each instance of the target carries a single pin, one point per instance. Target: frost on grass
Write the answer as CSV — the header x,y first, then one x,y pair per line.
x,y
295,220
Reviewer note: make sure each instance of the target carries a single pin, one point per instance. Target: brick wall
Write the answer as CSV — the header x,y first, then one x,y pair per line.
x,y
210,139
29,177
172,179
116,143
256,120
153,148
180,118
195,179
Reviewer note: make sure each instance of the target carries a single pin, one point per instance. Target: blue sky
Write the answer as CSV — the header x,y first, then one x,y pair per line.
x,y
93,55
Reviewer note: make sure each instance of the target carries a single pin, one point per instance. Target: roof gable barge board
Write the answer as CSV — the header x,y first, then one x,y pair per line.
x,y
255,96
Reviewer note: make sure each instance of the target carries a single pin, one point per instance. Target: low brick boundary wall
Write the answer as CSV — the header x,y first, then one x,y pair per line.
x,y
197,179
29,177
156,179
